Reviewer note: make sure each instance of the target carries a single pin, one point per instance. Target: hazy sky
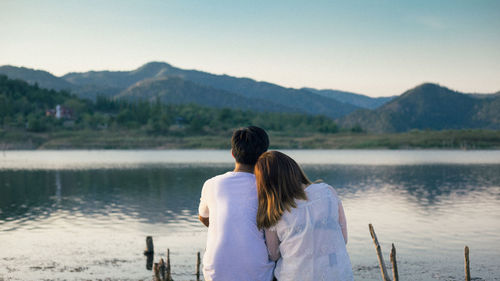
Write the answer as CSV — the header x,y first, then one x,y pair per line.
x,y
377,48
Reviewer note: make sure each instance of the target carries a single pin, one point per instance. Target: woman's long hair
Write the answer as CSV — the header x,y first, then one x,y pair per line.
x,y
279,184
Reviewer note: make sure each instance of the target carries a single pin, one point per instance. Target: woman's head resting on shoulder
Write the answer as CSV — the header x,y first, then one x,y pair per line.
x,y
280,181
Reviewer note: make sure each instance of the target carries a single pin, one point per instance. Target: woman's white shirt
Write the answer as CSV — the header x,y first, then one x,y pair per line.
x,y
311,239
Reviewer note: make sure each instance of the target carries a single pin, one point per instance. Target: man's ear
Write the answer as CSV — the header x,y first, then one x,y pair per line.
x,y
232,153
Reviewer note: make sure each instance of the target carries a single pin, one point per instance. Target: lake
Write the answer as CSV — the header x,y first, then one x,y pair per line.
x,y
78,215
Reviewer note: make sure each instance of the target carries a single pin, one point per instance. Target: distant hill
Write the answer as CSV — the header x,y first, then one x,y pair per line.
x,y
293,100
263,94
46,80
32,76
117,79
27,108
352,98
497,94
429,106
175,90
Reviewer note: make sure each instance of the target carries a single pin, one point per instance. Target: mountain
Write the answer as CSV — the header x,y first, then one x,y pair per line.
x,y
175,90
25,107
118,79
251,93
294,100
352,98
32,76
481,96
429,106
112,83
46,80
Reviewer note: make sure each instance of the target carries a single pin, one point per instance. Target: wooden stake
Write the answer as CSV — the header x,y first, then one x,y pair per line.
x,y
467,268
381,263
149,246
149,252
149,261
198,261
168,276
394,263
162,269
156,272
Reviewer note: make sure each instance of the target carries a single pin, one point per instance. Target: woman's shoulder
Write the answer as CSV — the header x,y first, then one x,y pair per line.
x,y
322,187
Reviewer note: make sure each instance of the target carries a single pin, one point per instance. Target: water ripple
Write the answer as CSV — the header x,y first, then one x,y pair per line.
x,y
99,218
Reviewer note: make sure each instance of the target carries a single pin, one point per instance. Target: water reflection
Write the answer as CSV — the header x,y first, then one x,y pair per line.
x,y
100,218
58,186
141,193
427,185
160,195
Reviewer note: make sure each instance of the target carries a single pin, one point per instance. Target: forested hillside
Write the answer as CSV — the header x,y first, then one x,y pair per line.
x,y
425,107
117,83
43,78
174,90
31,108
358,100
430,107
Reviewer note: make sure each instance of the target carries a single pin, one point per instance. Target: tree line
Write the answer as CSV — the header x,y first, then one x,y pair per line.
x,y
29,107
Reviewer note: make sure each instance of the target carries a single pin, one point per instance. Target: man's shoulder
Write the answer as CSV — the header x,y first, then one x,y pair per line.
x,y
216,179
229,178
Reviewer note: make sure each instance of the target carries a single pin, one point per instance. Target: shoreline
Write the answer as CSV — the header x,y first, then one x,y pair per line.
x,y
139,140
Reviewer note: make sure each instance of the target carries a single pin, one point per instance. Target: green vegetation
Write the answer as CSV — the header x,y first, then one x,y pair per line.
x,y
175,86
138,139
27,122
30,109
429,106
448,139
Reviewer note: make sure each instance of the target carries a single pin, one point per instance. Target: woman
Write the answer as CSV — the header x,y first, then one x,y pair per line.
x,y
304,222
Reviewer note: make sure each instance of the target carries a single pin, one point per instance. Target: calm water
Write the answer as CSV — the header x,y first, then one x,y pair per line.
x,y
81,215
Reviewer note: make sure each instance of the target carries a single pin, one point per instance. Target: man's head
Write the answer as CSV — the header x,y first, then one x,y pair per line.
x,y
248,143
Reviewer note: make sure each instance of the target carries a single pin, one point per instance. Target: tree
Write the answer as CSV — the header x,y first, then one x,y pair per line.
x,y
35,124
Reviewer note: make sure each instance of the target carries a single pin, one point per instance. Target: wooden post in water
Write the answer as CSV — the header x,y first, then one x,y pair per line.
x,y
149,246
381,263
149,261
168,276
395,275
149,252
198,261
467,264
162,269
156,272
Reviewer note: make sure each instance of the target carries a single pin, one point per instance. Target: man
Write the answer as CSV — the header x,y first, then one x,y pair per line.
x,y
236,250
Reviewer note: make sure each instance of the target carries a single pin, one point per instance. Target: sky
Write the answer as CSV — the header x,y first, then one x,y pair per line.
x,y
372,47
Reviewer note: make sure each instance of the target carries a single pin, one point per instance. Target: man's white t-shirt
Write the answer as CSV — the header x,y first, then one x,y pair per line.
x,y
236,249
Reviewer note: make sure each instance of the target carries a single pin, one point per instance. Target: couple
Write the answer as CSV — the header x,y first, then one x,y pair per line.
x,y
267,210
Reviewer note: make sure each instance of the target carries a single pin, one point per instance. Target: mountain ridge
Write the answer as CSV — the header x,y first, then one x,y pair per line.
x,y
43,78
359,100
114,83
172,90
428,106
295,99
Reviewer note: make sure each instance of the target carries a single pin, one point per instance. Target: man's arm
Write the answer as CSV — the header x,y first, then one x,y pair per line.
x,y
204,220
203,211
273,244
342,221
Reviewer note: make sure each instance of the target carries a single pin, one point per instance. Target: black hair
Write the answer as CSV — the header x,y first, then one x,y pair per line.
x,y
248,143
